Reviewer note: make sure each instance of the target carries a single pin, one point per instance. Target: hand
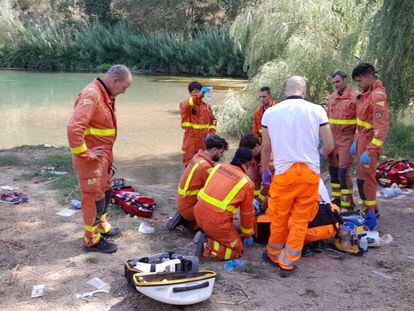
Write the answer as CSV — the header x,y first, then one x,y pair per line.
x,y
352,149
204,90
248,242
207,137
96,153
267,177
365,159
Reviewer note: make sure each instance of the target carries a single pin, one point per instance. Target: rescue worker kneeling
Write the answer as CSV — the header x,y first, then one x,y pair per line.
x,y
193,179
227,188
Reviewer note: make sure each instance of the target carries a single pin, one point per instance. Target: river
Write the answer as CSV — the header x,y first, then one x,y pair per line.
x,y
35,108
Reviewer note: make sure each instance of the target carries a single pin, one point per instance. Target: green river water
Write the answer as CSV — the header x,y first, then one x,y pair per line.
x,y
35,108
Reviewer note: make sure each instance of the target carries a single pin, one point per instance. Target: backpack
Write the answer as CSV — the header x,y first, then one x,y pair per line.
x,y
395,172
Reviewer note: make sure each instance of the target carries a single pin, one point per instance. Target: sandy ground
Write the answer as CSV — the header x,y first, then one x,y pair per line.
x,y
39,247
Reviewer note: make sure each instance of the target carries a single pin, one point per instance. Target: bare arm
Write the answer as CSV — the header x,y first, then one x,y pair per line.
x,y
266,149
325,134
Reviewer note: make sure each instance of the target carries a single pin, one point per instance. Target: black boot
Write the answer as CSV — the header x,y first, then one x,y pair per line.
x,y
102,247
306,250
199,240
285,273
175,221
114,232
317,247
266,258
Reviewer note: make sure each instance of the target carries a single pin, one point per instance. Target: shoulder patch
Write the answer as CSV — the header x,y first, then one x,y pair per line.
x,y
382,104
87,101
378,115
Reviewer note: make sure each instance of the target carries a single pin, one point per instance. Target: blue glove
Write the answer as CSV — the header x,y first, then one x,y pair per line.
x,y
207,137
204,90
320,144
365,159
370,220
267,177
248,242
352,149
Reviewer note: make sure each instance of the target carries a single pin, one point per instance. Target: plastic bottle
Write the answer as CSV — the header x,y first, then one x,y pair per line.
x,y
363,244
389,193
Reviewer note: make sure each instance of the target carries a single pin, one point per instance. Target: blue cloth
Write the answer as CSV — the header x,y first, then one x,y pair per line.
x,y
370,220
352,149
365,159
207,137
205,89
267,177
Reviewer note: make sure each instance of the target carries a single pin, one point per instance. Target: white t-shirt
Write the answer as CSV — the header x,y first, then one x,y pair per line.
x,y
293,127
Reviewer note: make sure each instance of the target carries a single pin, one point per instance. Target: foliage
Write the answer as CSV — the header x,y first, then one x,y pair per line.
x,y
282,38
400,141
52,45
392,47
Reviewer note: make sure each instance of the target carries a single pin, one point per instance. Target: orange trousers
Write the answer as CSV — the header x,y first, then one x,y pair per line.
x,y
320,233
366,176
96,195
191,144
293,203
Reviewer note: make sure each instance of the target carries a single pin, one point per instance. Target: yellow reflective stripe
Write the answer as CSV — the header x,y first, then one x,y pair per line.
x,y
260,130
191,102
99,132
195,126
187,182
213,171
103,217
336,185
336,194
362,123
90,228
227,255
346,191
212,127
216,246
246,231
80,149
188,193
215,202
343,203
370,203
256,192
234,191
343,121
377,142
260,196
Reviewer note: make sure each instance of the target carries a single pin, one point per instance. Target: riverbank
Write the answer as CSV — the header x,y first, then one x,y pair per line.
x,y
40,247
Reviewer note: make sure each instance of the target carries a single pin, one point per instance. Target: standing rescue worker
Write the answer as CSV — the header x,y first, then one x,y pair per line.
x,y
193,179
92,131
266,101
342,117
227,189
197,120
291,131
373,121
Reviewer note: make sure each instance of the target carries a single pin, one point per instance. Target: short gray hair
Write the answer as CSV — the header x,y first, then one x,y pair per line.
x,y
120,71
340,73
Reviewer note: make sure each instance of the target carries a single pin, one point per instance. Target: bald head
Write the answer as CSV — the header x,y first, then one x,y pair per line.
x,y
296,85
118,79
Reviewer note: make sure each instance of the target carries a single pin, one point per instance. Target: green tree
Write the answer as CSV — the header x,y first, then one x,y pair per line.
x,y
391,46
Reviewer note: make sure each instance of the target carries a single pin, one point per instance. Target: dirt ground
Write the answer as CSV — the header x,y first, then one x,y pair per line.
x,y
39,247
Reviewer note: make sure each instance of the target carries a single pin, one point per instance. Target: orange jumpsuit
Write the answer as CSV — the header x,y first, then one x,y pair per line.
x,y
193,179
293,203
197,120
226,190
373,122
342,117
257,119
93,124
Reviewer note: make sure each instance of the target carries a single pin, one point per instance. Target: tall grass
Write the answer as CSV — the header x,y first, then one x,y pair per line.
x,y
51,45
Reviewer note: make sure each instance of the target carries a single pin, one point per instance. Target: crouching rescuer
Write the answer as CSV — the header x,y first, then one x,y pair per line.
x,y
227,189
91,133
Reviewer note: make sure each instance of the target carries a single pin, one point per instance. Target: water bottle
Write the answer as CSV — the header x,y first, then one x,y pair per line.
x,y
389,193
363,244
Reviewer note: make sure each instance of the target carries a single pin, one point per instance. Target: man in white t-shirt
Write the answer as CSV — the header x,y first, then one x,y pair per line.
x,y
292,131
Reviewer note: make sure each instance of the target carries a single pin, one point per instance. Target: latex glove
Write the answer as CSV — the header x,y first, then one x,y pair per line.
x,y
320,144
267,177
204,90
248,242
352,149
365,159
207,137
370,220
